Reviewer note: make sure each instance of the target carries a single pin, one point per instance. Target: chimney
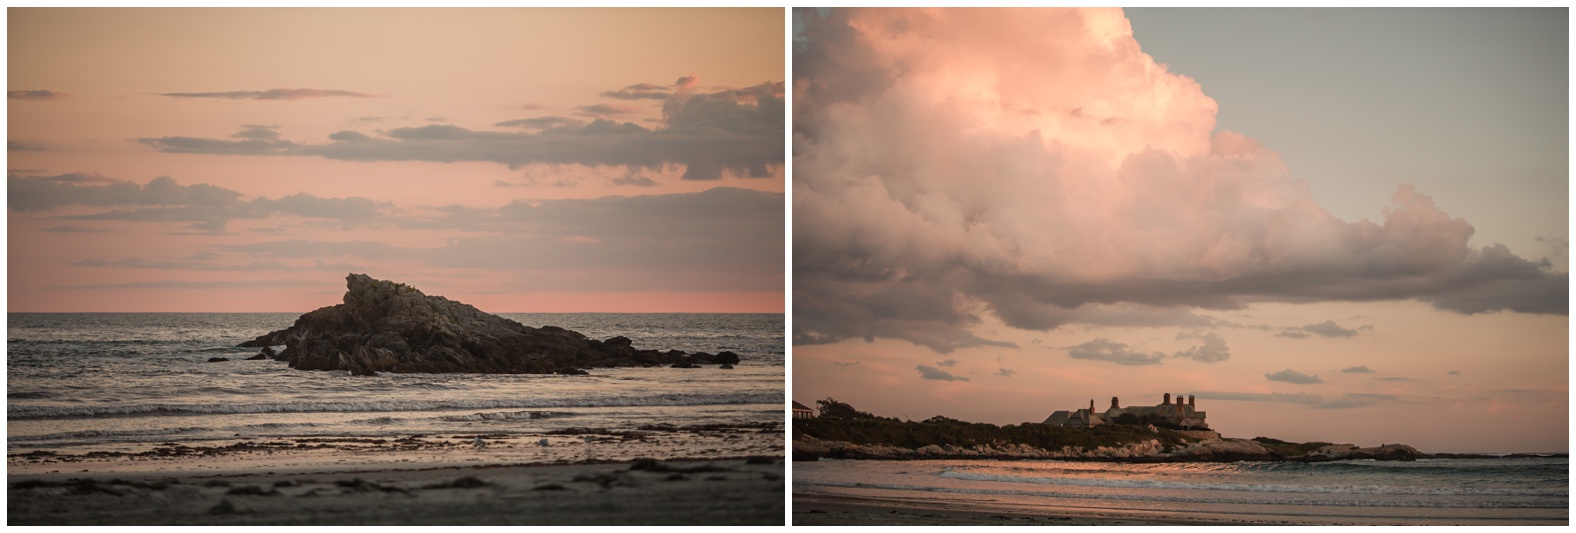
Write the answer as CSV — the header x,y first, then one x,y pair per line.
x,y
1091,405
1190,401
1167,400
1114,405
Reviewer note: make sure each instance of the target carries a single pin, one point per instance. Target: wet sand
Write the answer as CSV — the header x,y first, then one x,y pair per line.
x,y
810,510
715,477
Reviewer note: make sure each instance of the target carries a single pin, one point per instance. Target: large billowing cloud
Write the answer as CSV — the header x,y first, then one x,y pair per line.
x,y
739,130
1037,166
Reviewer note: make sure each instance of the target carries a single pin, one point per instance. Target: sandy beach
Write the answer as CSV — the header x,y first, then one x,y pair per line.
x,y
734,478
810,510
988,492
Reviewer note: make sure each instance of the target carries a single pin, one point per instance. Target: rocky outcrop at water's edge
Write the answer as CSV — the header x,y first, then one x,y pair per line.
x,y
384,326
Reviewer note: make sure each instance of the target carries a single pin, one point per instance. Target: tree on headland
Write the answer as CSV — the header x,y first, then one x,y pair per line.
x,y
835,410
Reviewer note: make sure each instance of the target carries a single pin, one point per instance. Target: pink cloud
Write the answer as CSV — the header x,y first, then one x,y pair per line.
x,y
1028,163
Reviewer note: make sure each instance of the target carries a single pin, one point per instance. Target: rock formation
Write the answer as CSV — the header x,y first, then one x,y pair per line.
x,y
384,326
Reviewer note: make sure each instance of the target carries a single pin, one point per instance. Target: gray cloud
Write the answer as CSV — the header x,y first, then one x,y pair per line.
x,y
1006,372
208,207
1358,370
592,110
1214,350
636,181
73,229
708,133
35,95
347,135
1103,349
542,123
642,91
45,193
913,218
1293,376
1327,328
19,146
928,372
948,363
271,94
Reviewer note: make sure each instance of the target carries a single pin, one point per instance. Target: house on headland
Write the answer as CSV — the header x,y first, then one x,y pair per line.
x,y
1179,414
802,411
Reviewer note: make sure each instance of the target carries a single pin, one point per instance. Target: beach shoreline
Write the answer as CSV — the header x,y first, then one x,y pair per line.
x,y
815,510
719,476
1085,493
844,510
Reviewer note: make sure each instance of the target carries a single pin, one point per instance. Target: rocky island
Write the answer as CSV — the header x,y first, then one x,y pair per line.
x,y
384,326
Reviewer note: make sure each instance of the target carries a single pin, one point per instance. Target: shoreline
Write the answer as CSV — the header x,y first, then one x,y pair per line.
x,y
853,492
720,491
866,510
698,475
813,510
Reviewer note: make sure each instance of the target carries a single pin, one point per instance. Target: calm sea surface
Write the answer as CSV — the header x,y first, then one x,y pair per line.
x,y
1492,490
123,382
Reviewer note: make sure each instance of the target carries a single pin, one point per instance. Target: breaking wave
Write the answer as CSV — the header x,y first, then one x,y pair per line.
x,y
1252,487
24,412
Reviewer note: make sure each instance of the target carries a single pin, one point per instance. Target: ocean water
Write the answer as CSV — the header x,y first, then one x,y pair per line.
x,y
1486,490
83,382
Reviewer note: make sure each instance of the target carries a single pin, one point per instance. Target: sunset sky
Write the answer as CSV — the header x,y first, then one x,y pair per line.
x,y
1334,224
620,160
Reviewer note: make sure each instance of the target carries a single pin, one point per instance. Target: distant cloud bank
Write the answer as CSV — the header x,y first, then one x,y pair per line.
x,y
737,131
272,94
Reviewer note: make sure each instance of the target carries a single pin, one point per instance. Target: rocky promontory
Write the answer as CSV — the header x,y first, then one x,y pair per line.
x,y
844,432
384,326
